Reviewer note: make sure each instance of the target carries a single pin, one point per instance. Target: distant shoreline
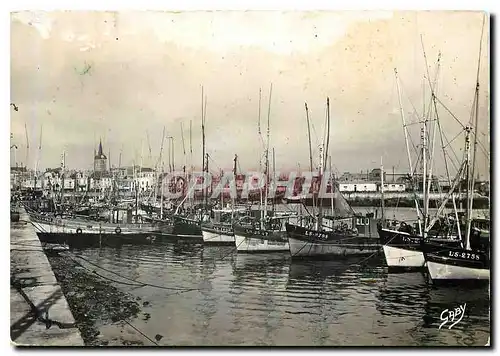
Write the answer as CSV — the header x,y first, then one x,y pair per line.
x,y
355,199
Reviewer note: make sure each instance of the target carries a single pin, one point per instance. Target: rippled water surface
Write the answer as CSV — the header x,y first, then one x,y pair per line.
x,y
271,300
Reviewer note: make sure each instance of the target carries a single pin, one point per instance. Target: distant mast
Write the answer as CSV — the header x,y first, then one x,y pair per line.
x,y
382,202
38,156
63,167
267,151
470,190
310,150
233,197
324,161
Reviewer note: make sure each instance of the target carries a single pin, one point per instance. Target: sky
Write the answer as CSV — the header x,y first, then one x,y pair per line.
x,y
78,77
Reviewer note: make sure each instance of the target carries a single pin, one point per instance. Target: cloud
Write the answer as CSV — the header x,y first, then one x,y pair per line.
x,y
118,75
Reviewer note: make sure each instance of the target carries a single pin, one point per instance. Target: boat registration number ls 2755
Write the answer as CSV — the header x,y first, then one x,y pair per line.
x,y
464,255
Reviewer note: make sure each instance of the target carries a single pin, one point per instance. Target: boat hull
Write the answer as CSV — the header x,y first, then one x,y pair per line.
x,y
249,244
397,257
457,265
406,251
89,233
187,229
215,237
310,243
96,240
300,248
444,272
250,239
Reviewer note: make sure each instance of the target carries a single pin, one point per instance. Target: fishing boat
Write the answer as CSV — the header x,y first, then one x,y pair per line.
x,y
266,231
334,239
219,230
79,232
116,227
336,235
458,265
164,227
187,221
470,262
187,226
404,243
252,235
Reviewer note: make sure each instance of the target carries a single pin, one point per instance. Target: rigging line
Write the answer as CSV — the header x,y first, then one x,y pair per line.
x,y
232,251
415,112
127,278
453,139
315,135
136,284
478,69
474,126
413,145
239,167
323,143
215,163
479,142
452,151
484,150
107,278
449,112
472,112
140,332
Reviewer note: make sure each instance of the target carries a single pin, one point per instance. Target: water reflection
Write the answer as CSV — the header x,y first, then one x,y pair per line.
x,y
476,302
270,299
408,299
402,294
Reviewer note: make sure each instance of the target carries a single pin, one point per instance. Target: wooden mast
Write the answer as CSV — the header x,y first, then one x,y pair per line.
x,y
260,166
233,198
267,151
325,157
410,165
470,190
310,151
382,201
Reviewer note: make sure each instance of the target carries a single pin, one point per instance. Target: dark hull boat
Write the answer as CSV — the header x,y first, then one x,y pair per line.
x,y
306,242
405,250
163,227
255,239
96,239
449,265
187,229
82,233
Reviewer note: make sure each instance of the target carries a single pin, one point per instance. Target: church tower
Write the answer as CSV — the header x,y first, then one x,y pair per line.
x,y
100,160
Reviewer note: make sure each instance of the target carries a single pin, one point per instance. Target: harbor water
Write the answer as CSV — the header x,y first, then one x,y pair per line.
x,y
206,295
